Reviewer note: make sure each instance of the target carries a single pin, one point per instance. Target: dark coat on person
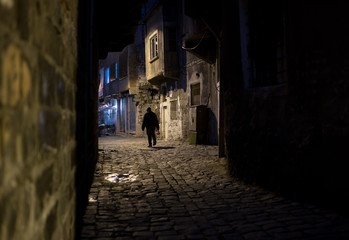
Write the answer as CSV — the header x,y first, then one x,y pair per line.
x,y
150,121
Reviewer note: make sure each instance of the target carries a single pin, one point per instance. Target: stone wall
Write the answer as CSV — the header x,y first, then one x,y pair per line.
x,y
38,61
144,99
175,126
199,71
292,137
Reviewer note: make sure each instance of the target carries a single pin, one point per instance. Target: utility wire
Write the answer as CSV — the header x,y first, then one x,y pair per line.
x,y
193,48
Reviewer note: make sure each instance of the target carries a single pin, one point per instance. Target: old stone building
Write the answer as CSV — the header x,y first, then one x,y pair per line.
x,y
126,107
117,109
131,93
183,76
174,82
164,66
285,100
107,93
131,84
203,80
121,74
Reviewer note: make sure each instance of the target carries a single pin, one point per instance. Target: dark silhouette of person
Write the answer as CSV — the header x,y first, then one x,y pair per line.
x,y
150,122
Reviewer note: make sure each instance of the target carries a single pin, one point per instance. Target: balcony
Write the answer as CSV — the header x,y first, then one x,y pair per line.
x,y
124,84
110,89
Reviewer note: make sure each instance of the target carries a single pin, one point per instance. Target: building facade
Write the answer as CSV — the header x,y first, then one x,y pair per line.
x,y
285,100
120,74
183,80
203,81
163,66
107,94
164,71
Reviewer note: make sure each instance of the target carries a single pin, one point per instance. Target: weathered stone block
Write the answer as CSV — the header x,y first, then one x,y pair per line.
x,y
48,135
8,14
53,45
44,186
16,77
51,223
22,18
48,78
61,93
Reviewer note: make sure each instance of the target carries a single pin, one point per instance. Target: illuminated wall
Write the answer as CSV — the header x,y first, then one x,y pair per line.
x,y
38,62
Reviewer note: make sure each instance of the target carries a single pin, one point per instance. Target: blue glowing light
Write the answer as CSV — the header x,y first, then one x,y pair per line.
x,y
116,70
106,76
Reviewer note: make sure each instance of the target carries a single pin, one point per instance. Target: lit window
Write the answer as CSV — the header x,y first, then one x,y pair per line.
x,y
106,78
116,70
154,46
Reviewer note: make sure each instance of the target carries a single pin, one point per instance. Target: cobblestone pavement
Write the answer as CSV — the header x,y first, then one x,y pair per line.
x,y
181,191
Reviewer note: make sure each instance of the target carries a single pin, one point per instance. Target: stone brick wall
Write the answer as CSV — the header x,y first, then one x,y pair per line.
x,y
177,128
199,71
292,137
38,61
144,100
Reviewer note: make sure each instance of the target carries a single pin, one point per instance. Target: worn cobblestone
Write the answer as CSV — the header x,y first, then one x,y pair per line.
x,y
181,191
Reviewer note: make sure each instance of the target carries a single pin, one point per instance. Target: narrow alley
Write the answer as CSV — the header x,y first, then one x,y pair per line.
x,y
181,191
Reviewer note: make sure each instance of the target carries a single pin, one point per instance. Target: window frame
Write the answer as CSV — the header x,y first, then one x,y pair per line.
x,y
154,54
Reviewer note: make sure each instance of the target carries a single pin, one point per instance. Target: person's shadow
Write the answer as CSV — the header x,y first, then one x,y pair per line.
x,y
163,148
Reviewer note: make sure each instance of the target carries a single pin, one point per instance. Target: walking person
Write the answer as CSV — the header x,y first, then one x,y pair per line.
x,y
150,122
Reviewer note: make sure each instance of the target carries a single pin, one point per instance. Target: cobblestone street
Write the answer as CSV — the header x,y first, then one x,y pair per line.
x,y
180,191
